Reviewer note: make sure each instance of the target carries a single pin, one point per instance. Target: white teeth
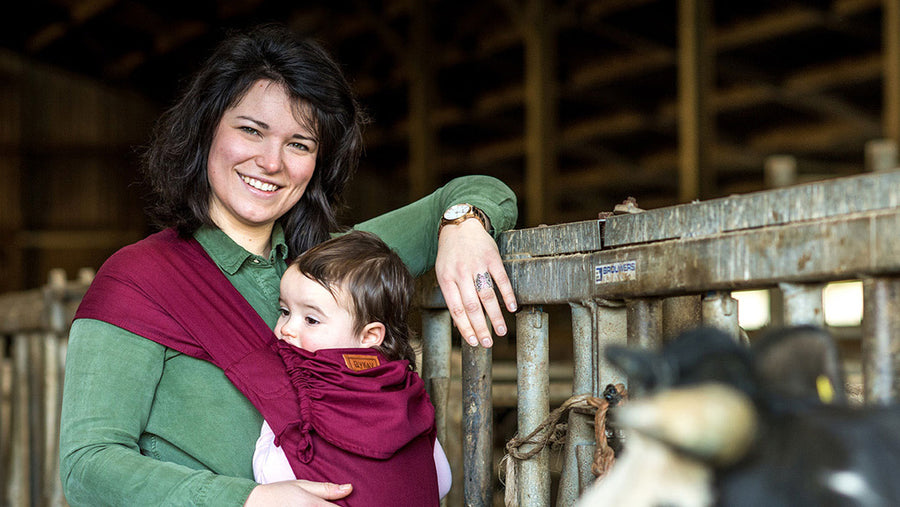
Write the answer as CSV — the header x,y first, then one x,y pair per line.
x,y
265,187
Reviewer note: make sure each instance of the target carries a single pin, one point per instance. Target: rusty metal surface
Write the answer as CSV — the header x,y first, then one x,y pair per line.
x,y
478,423
802,303
533,357
881,340
720,310
552,240
580,431
812,201
436,340
822,250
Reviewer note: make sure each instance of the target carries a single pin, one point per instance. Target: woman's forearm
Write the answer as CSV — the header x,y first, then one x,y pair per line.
x,y
110,384
413,229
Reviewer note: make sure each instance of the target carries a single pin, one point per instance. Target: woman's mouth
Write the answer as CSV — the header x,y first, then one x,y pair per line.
x,y
259,185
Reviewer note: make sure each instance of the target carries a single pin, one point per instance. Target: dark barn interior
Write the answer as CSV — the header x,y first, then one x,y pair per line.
x,y
576,104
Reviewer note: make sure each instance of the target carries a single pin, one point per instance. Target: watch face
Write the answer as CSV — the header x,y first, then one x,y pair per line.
x,y
456,211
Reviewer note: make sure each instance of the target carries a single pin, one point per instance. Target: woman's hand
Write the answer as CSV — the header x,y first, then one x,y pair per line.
x,y
297,493
467,267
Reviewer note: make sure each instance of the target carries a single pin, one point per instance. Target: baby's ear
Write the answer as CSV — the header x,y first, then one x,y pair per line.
x,y
372,335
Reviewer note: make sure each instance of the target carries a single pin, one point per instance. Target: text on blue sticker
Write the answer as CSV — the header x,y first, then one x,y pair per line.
x,y
615,272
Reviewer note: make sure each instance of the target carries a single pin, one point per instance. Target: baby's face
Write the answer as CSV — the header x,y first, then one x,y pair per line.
x,y
311,318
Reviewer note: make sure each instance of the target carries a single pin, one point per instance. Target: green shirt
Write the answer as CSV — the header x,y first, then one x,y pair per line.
x,y
145,425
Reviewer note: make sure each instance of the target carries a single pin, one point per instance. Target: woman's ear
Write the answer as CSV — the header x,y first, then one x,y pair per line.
x,y
372,335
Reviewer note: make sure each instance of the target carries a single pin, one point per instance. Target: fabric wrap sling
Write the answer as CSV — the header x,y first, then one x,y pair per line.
x,y
167,289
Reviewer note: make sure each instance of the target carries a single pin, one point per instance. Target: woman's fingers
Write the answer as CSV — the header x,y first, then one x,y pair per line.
x,y
297,493
470,271
452,291
499,283
326,490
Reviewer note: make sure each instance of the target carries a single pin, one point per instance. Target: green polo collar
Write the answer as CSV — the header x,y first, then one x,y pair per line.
x,y
230,256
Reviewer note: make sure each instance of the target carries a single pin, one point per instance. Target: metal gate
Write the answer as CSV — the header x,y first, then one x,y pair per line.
x,y
624,277
635,278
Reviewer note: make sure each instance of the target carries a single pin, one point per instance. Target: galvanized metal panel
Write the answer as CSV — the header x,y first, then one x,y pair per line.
x,y
817,250
830,198
552,240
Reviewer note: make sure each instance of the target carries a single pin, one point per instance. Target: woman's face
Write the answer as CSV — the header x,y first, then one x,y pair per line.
x,y
260,161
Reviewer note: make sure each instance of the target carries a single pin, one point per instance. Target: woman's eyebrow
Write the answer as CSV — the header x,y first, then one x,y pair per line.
x,y
265,126
254,120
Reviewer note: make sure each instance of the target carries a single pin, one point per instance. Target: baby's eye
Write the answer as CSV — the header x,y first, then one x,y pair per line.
x,y
311,321
284,311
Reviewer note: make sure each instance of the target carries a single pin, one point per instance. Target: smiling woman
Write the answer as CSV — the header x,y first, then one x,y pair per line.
x,y
247,167
261,160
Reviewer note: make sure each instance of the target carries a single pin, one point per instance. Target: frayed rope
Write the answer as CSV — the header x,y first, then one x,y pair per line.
x,y
552,433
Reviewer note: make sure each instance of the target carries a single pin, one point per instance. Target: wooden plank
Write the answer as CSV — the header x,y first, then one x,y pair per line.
x,y
422,139
540,109
891,58
695,86
777,23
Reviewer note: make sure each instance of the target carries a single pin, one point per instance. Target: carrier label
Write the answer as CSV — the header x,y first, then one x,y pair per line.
x,y
360,362
615,272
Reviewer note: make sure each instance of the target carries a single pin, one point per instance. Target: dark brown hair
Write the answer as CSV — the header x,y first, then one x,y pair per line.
x,y
379,285
175,163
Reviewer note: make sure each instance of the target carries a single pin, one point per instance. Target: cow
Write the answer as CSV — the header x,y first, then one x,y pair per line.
x,y
719,423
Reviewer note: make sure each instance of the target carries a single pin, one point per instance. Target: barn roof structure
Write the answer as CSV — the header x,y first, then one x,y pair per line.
x,y
577,104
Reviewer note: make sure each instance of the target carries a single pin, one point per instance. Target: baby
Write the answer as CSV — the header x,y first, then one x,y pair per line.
x,y
344,338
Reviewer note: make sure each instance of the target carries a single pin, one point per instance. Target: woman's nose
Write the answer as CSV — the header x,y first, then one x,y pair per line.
x,y
269,159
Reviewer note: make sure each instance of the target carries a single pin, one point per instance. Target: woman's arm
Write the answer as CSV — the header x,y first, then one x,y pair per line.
x,y
114,379
110,383
461,253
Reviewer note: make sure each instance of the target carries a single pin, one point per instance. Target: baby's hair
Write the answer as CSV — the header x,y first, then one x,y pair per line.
x,y
377,283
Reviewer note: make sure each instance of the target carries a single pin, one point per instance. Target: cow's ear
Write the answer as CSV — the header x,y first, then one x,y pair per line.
x,y
711,421
646,370
799,362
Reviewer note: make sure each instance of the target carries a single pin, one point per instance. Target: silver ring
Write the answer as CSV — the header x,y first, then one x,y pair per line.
x,y
483,281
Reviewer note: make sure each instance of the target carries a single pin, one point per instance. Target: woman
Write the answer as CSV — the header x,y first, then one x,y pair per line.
x,y
248,166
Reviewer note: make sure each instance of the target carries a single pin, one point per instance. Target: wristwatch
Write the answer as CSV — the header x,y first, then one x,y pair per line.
x,y
459,213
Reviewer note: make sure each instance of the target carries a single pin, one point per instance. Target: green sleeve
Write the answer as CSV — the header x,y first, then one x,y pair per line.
x,y
110,383
413,229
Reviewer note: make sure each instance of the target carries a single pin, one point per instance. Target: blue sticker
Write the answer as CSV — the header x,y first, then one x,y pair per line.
x,y
615,272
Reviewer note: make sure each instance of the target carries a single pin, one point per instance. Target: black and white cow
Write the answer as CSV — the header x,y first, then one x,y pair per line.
x,y
723,424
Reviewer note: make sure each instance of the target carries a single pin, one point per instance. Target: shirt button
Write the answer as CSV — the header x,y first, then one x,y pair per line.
x,y
255,261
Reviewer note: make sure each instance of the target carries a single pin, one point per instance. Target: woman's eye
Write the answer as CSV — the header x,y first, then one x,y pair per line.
x,y
249,130
299,146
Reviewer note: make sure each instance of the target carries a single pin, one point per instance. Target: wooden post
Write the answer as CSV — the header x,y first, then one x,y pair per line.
x,y
695,87
891,58
539,32
422,143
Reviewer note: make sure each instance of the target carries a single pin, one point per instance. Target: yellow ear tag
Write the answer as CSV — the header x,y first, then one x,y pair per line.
x,y
825,389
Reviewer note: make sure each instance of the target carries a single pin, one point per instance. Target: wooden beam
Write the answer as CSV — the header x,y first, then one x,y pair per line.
x,y
539,34
774,24
891,62
422,91
850,7
806,138
79,13
847,71
620,67
695,87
